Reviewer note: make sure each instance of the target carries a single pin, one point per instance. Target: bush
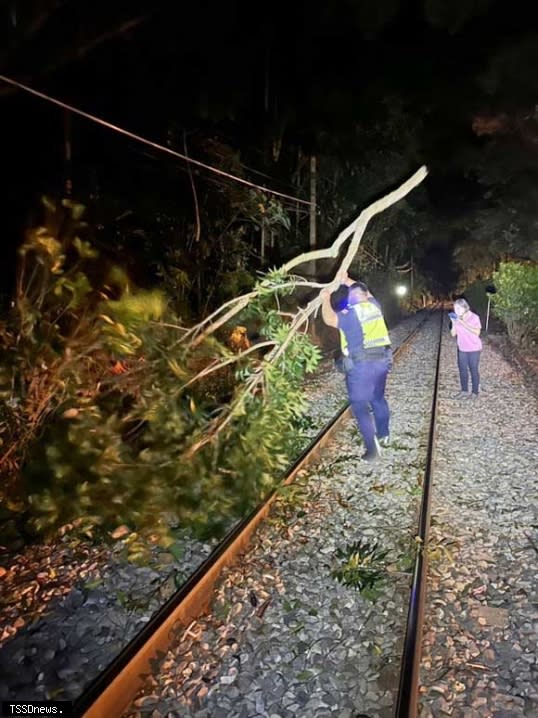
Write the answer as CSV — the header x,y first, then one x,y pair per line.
x,y
74,315
516,300
107,419
132,458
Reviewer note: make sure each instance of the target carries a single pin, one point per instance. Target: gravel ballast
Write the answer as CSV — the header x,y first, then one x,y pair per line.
x,y
480,655
68,607
284,637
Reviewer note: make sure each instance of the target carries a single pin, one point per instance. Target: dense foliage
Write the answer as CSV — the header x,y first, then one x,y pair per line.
x,y
104,415
516,300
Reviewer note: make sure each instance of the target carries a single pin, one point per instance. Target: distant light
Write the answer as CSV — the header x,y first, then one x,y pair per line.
x,y
401,290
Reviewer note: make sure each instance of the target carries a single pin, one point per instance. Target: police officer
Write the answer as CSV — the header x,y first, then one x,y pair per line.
x,y
366,347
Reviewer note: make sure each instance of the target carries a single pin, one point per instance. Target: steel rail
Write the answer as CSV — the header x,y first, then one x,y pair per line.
x,y
407,700
111,691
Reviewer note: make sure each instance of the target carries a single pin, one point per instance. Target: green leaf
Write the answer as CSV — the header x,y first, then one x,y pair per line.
x,y
177,550
77,209
85,249
94,583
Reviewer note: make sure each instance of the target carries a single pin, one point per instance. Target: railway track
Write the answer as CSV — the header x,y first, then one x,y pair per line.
x,y
115,689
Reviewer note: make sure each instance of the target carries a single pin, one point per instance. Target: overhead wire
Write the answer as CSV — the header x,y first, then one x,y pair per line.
x,y
290,205
145,141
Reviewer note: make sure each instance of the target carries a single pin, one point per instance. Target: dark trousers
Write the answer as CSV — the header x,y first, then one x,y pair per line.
x,y
468,364
366,388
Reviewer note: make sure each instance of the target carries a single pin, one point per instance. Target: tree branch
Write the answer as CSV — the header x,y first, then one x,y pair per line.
x,y
237,304
220,365
357,227
204,329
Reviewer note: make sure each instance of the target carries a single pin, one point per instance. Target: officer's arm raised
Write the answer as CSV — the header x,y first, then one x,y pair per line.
x,y
344,278
327,312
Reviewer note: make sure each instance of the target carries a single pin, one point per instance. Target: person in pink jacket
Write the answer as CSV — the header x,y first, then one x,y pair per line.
x,y
466,327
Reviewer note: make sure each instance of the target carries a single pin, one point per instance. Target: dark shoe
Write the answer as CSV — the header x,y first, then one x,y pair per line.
x,y
384,441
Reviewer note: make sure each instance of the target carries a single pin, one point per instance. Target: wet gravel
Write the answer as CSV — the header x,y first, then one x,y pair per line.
x,y
284,637
68,607
480,654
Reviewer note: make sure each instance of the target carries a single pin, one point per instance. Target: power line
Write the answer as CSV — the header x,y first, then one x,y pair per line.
x,y
145,141
286,204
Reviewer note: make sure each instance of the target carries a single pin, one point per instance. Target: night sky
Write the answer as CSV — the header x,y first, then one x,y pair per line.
x,y
347,80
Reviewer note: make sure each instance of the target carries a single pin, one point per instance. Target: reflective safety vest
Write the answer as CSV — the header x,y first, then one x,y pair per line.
x,y
374,330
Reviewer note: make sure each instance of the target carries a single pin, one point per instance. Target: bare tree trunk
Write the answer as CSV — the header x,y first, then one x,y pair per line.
x,y
262,241
313,183
313,179
68,153
298,185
